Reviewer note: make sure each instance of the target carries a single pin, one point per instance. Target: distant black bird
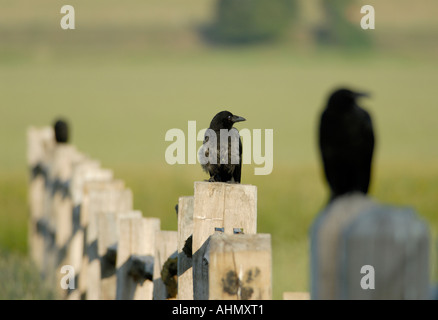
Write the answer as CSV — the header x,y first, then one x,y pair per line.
x,y
346,142
61,131
222,158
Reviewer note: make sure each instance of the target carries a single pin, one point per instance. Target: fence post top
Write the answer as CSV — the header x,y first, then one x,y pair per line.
x,y
240,242
219,184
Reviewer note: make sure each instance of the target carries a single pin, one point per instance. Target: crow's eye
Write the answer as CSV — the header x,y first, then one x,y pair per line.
x,y
229,118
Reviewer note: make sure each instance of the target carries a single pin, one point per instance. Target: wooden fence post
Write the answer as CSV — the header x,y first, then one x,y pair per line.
x,y
240,267
165,247
40,143
99,197
62,205
325,242
60,211
393,244
219,205
355,232
86,171
185,230
137,237
45,225
108,237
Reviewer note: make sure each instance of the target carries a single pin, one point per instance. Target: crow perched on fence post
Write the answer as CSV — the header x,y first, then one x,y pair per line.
x,y
346,141
221,152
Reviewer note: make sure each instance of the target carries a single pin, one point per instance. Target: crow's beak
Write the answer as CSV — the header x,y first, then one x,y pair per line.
x,y
237,119
362,95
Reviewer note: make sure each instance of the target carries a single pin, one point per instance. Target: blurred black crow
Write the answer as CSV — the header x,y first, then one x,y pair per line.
x,y
221,152
346,142
61,131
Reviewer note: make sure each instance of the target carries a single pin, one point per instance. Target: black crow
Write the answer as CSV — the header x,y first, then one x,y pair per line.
x,y
221,151
346,142
61,131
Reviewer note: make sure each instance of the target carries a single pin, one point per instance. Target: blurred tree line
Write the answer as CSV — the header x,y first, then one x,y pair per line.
x,y
254,21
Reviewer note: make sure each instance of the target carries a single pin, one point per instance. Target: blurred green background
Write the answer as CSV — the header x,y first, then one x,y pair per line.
x,y
131,70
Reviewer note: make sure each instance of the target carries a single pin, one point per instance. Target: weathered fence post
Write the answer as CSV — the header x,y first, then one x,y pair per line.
x,y
108,238
99,197
62,205
240,267
65,158
325,242
219,205
165,251
394,242
58,217
185,230
364,250
40,143
137,237
83,172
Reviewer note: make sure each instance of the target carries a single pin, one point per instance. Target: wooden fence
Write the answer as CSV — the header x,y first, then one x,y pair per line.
x,y
83,220
90,243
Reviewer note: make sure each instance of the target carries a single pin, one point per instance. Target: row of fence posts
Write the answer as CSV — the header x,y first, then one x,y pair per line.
x,y
83,218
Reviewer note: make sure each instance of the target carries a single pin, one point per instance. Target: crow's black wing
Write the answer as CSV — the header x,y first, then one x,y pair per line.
x,y
208,152
237,174
365,154
327,148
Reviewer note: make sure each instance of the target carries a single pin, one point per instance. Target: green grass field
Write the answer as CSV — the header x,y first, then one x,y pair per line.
x,y
134,70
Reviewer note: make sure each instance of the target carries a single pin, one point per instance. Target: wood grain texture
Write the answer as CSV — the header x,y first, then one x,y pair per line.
x,y
219,205
137,236
185,230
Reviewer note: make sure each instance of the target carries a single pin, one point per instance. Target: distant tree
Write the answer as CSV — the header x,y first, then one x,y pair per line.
x,y
249,21
337,29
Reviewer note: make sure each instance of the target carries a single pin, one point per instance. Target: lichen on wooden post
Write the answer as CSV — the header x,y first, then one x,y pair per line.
x,y
240,267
